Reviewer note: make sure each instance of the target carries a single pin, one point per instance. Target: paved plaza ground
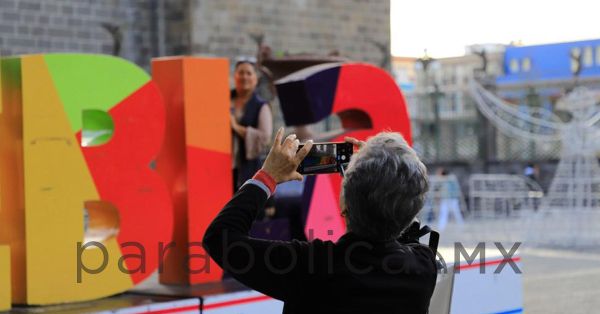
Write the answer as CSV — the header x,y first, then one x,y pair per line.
x,y
561,281
559,278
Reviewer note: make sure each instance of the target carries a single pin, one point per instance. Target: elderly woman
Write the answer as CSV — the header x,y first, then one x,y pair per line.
x,y
251,123
369,269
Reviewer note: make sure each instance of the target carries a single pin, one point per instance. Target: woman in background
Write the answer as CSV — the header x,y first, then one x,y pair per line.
x,y
251,123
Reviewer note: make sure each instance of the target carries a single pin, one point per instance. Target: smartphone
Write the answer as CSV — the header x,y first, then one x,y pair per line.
x,y
326,158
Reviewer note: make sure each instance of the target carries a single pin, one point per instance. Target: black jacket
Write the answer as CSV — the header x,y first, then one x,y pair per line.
x,y
351,276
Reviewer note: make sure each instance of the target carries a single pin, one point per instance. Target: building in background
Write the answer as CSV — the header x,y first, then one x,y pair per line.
x,y
448,129
358,30
552,65
141,29
537,76
446,123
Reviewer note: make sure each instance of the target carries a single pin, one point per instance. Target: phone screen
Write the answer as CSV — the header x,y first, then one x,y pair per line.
x,y
325,157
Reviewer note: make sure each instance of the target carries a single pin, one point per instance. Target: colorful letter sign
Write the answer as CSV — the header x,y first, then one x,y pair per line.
x,y
82,213
52,177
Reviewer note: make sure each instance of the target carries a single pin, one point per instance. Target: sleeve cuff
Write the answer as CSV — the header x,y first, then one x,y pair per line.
x,y
261,185
265,179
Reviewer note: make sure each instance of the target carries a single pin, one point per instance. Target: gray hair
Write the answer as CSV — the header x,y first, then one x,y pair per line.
x,y
384,187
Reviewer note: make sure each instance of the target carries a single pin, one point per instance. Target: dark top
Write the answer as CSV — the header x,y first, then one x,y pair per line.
x,y
353,275
247,168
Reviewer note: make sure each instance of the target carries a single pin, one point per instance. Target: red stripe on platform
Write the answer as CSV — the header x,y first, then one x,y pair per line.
x,y
495,262
234,302
176,310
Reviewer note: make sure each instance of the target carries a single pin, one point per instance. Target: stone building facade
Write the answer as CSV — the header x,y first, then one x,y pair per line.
x,y
37,26
358,29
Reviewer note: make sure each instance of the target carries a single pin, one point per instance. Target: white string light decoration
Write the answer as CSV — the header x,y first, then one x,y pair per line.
x,y
569,213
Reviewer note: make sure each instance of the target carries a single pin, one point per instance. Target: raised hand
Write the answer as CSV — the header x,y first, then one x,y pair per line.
x,y
284,158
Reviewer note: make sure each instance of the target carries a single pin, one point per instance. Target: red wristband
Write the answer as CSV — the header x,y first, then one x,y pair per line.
x,y
265,178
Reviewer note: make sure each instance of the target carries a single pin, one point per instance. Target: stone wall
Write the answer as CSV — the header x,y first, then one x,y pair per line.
x,y
354,28
41,26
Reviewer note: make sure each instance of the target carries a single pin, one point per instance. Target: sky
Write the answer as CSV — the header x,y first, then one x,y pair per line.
x,y
451,25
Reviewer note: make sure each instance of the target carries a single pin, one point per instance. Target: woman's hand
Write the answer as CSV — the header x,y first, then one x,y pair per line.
x,y
237,128
284,158
232,121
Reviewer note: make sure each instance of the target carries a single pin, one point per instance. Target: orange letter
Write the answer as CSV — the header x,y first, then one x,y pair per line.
x,y
195,160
